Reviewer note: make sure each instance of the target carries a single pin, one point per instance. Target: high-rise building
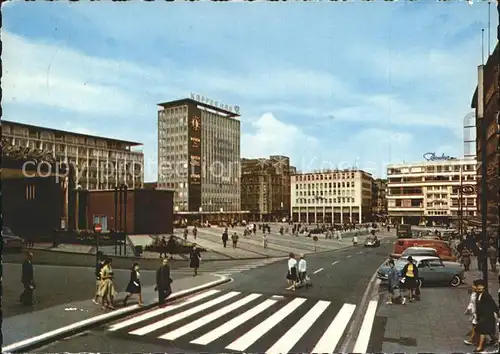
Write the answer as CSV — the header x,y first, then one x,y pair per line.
x,y
100,163
338,196
428,193
485,103
265,187
199,154
379,198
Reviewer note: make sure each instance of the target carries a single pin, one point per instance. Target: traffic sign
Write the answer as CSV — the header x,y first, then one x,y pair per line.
x,y
98,228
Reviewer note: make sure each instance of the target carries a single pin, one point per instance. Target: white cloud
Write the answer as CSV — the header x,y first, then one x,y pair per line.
x,y
274,137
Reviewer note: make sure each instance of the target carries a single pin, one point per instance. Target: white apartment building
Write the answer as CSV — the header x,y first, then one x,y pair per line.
x,y
100,163
428,193
331,196
199,155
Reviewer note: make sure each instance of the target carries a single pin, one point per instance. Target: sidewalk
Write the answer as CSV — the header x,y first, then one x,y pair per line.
x,y
435,324
20,332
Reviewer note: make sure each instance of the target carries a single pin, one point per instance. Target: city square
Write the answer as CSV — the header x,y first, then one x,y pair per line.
x,y
195,177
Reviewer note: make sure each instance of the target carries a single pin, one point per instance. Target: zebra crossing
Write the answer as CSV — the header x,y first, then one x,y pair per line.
x,y
222,320
222,268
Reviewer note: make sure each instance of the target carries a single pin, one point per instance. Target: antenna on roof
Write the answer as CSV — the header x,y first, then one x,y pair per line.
x,y
482,46
489,28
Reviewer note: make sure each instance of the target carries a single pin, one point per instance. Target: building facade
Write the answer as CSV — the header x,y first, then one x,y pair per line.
x,y
199,155
428,193
265,187
379,199
485,103
332,196
100,163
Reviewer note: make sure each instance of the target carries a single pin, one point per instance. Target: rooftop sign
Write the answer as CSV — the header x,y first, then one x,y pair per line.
x,y
216,104
431,156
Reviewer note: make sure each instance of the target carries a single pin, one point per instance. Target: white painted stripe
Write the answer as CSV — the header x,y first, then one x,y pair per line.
x,y
349,256
366,328
89,321
179,332
319,270
234,323
335,262
286,343
334,332
160,311
180,316
249,338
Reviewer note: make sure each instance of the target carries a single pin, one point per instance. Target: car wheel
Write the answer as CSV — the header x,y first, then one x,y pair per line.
x,y
455,281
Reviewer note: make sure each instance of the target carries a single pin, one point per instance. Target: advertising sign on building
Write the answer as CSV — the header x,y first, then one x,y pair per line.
x,y
194,157
208,101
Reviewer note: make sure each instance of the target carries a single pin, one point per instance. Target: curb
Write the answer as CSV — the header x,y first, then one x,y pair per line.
x,y
80,326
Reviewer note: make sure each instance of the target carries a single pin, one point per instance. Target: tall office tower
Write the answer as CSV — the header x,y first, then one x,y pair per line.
x,y
199,154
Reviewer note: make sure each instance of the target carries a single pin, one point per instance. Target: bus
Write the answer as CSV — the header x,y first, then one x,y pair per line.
x,y
403,231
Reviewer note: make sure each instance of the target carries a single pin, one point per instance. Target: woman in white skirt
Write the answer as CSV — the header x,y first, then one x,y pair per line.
x,y
292,272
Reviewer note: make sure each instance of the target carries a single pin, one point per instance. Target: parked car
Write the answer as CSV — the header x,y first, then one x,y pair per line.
x,y
372,241
442,247
11,242
431,269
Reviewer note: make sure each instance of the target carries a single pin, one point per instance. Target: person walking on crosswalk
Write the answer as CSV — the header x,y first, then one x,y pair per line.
x,y
194,260
98,268
107,290
134,285
302,268
292,272
163,282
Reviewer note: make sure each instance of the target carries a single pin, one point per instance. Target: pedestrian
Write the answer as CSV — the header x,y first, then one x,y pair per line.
x,y
393,284
194,260
486,308
410,276
471,311
480,256
28,280
186,232
264,241
235,237
163,282
292,272
492,256
171,247
98,268
134,285
225,237
302,268
195,232
107,290
466,254
163,247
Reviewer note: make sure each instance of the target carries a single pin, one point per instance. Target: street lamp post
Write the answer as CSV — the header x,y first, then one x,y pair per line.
x,y
463,190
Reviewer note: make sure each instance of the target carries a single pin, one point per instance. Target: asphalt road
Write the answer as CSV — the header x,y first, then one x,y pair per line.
x,y
247,315
65,284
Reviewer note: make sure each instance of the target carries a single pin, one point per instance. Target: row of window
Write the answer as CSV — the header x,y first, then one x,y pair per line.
x,y
431,169
315,201
325,185
320,177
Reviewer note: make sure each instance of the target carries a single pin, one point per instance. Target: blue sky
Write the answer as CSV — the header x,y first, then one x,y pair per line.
x,y
328,84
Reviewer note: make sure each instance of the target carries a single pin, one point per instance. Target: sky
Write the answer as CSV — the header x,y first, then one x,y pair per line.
x,y
332,85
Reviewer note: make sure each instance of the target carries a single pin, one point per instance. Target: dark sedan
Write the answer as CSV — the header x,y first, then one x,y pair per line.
x,y
11,242
372,242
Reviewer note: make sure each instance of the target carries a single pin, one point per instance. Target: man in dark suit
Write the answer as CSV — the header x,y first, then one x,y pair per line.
x,y
28,280
163,282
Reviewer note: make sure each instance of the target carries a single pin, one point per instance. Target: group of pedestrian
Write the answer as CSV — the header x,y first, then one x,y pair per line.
x,y
297,272
484,314
403,282
105,287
